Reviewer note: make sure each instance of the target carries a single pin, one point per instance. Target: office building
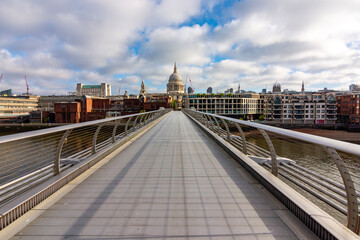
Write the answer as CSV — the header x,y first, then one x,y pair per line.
x,y
310,108
247,106
102,90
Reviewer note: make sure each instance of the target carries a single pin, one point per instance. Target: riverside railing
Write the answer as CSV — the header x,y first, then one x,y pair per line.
x,y
27,159
337,185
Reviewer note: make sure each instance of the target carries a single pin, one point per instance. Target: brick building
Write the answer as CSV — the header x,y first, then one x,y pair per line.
x,y
348,108
81,110
67,112
155,102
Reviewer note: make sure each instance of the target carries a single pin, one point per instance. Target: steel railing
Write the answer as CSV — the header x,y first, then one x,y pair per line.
x,y
27,159
341,194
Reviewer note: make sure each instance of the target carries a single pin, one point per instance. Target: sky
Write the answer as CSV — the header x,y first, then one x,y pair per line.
x,y
215,43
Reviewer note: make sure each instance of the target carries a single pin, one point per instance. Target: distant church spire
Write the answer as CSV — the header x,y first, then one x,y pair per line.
x,y
175,70
143,89
302,88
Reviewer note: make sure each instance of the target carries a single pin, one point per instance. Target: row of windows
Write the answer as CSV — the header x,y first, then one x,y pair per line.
x,y
17,107
225,106
306,116
222,101
230,111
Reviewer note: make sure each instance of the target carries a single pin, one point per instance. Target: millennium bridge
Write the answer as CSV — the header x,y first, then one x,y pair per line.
x,y
175,175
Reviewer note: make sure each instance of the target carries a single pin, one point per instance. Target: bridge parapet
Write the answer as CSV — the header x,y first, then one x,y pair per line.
x,y
341,193
28,159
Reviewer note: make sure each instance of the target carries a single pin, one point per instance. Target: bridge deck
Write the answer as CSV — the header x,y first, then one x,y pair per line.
x,y
171,183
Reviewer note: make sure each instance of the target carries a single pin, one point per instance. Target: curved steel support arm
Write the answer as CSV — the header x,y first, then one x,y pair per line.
x,y
210,121
56,170
353,219
140,122
127,125
203,119
93,147
274,166
147,118
227,130
218,126
114,131
242,137
134,126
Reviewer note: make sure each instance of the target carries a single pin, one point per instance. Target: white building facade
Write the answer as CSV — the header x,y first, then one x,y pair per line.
x,y
226,104
101,90
310,108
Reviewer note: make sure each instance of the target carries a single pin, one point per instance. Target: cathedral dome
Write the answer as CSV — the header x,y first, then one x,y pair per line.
x,y
175,77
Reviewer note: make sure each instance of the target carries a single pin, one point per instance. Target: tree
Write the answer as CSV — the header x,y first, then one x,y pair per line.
x,y
222,94
173,104
261,118
204,95
213,95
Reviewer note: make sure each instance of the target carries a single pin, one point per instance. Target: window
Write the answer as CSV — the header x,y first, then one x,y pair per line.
x,y
311,111
318,111
277,100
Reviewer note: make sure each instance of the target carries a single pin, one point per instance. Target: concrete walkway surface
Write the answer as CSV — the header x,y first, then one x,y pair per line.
x,y
171,183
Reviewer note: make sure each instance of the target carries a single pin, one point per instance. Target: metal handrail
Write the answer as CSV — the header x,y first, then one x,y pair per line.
x,y
54,139
49,144
330,146
36,133
336,144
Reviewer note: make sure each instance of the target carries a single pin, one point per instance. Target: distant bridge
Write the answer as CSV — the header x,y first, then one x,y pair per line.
x,y
169,175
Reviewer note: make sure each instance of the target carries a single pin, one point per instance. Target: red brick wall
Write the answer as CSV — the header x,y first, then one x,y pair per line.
x,y
67,112
348,106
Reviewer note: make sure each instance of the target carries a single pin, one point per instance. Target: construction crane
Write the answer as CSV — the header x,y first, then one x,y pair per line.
x,y
186,81
27,86
1,77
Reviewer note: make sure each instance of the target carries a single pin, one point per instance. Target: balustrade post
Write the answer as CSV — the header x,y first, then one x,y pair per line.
x,y
147,118
141,118
135,122
218,126
202,119
242,137
114,131
56,170
210,121
274,166
127,125
93,147
227,130
353,219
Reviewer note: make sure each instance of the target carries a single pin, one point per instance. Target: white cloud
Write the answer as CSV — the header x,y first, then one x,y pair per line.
x,y
188,45
59,43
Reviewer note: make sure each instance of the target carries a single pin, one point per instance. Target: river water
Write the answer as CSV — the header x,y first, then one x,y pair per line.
x,y
314,158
